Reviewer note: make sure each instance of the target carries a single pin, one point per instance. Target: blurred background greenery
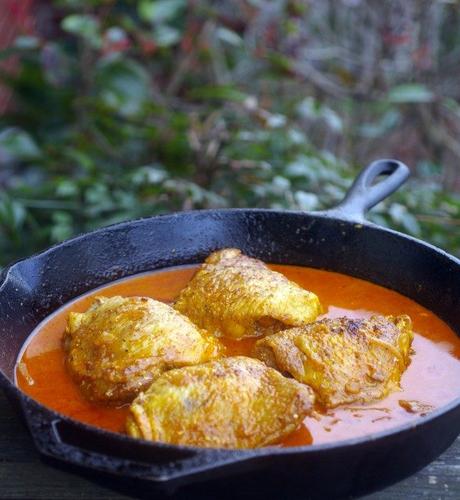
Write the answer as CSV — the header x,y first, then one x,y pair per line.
x,y
124,109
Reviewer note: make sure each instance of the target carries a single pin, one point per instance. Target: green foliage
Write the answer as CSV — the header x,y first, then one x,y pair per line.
x,y
17,145
122,86
409,93
141,108
86,27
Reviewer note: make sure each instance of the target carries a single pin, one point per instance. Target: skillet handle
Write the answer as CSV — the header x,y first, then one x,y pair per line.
x,y
366,191
63,439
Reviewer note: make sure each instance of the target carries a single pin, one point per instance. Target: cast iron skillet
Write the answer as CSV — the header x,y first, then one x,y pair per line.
x,y
337,240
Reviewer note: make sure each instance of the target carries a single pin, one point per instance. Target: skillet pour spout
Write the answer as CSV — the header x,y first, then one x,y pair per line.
x,y
337,240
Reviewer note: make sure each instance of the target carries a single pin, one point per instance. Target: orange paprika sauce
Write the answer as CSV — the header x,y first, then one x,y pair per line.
x,y
432,378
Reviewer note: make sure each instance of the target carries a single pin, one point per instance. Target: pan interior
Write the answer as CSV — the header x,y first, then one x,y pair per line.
x,y
35,287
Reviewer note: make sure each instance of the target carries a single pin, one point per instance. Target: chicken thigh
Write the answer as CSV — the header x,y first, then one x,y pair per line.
x,y
236,296
121,344
235,402
344,360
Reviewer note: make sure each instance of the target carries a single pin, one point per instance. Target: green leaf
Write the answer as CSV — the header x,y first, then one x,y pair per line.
x,y
409,93
66,188
275,120
149,174
402,216
62,228
224,92
280,184
279,62
115,34
312,109
166,36
123,86
309,108
19,47
388,121
332,119
229,37
12,213
85,26
160,11
25,42
17,145
306,201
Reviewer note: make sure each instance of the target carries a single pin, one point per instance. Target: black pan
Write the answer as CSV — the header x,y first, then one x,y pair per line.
x,y
338,240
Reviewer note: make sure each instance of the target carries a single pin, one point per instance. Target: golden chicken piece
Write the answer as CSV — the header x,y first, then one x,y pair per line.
x,y
235,296
121,344
235,402
344,360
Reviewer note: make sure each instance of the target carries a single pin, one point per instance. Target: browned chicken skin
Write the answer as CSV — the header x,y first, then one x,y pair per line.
x,y
235,402
344,360
121,344
235,296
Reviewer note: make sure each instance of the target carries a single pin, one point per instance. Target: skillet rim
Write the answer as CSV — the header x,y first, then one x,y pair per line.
x,y
249,453
331,214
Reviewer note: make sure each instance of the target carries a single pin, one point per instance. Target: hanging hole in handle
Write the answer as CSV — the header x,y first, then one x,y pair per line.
x,y
374,183
377,180
381,179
